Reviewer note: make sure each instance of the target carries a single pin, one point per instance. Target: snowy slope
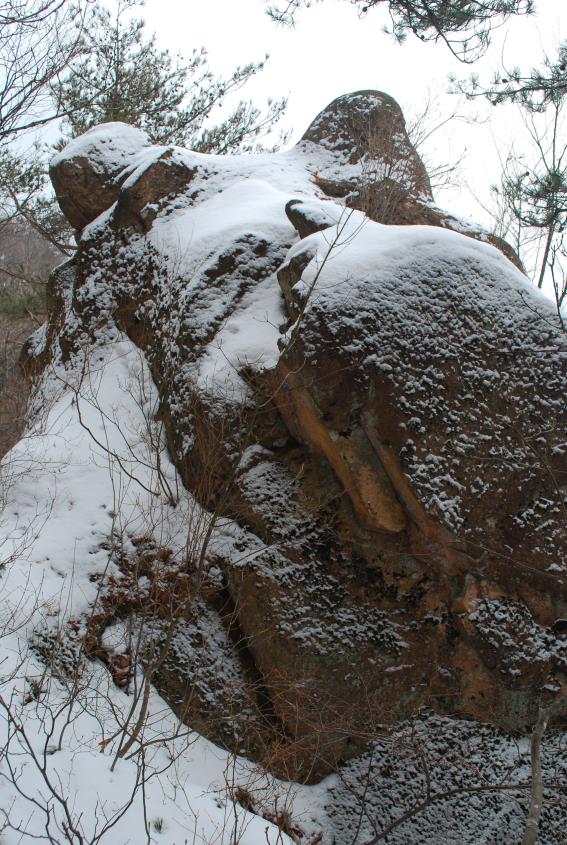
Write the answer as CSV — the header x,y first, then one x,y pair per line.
x,y
71,485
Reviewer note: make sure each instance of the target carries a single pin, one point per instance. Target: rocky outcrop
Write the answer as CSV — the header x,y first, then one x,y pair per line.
x,y
87,176
376,412
374,167
371,157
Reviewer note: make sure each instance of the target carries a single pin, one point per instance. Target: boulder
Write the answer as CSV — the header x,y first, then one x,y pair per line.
x,y
87,173
149,188
367,128
372,165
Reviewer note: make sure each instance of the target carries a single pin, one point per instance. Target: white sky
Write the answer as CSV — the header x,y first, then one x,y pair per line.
x,y
331,52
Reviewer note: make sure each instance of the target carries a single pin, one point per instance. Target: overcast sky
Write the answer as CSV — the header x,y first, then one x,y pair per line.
x,y
331,52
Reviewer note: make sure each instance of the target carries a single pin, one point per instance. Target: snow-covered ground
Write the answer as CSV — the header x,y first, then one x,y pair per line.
x,y
82,479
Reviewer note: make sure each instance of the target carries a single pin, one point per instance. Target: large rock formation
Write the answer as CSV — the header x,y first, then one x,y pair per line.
x,y
375,413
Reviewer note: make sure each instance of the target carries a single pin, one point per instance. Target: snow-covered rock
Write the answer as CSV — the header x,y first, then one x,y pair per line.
x,y
88,172
346,483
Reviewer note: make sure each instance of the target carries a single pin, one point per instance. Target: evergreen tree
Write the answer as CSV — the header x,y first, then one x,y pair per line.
x,y
463,25
122,75
534,90
532,199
